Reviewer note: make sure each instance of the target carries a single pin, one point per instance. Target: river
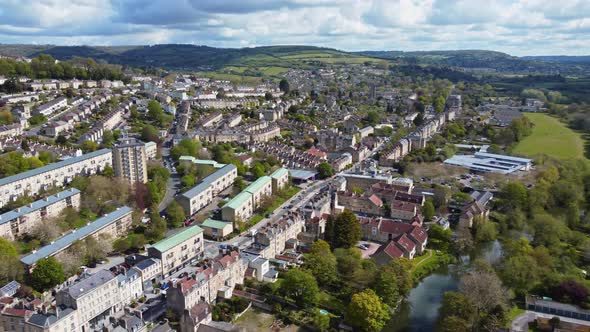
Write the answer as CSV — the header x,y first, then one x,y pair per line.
x,y
420,310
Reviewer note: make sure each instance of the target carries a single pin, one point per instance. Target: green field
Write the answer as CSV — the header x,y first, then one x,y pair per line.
x,y
551,137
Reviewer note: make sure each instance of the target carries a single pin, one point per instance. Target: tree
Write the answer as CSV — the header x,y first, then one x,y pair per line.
x,y
439,104
419,119
347,230
301,287
325,170
513,195
321,320
372,118
47,273
150,133
321,262
10,266
188,181
284,86
367,312
386,285
88,146
428,210
176,215
484,290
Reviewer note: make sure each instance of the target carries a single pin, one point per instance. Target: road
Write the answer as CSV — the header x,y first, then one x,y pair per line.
x,y
521,322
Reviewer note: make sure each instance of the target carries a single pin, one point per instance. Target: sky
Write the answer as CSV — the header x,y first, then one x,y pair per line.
x,y
517,27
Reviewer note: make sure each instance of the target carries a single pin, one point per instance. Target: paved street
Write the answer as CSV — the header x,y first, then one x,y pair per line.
x,y
521,322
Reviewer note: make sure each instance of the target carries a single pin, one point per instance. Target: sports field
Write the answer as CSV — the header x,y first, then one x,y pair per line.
x,y
551,137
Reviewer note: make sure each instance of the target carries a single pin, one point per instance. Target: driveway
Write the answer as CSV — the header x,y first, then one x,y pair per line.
x,y
521,322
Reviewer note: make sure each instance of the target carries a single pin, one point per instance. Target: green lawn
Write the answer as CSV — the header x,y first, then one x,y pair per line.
x,y
551,137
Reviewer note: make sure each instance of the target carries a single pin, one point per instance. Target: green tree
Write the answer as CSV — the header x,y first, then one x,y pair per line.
x,y
284,86
301,287
513,195
439,104
347,230
325,170
367,312
321,262
88,146
428,210
176,215
10,266
47,273
188,181
372,118
386,285
150,133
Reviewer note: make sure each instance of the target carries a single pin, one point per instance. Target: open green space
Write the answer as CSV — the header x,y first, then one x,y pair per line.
x,y
551,137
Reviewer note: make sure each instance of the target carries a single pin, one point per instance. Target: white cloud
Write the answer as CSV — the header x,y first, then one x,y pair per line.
x,y
518,27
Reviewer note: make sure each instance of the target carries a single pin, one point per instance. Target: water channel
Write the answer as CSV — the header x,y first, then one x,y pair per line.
x,y
420,311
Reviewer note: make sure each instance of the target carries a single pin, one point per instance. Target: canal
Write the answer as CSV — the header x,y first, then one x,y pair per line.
x,y
420,310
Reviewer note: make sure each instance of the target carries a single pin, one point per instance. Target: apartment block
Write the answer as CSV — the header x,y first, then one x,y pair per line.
x,y
56,174
240,207
23,220
130,160
202,194
280,179
260,189
111,226
178,250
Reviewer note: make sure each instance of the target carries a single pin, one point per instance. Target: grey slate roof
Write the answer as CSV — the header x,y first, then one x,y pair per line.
x,y
95,280
42,320
79,234
51,167
208,180
11,215
144,264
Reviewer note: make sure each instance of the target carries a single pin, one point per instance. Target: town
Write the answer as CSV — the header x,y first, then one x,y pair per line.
x,y
319,198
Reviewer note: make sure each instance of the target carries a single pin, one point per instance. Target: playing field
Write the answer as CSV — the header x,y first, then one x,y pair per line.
x,y
551,137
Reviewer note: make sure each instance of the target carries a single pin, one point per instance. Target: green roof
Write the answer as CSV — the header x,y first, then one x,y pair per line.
x,y
150,143
217,224
177,238
258,184
239,200
279,173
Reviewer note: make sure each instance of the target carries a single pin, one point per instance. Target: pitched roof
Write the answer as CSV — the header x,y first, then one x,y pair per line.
x,y
54,166
239,200
177,238
94,281
376,200
419,234
405,243
258,184
11,215
78,234
392,250
279,173
393,227
403,206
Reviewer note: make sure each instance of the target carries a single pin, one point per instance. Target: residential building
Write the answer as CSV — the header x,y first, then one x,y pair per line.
x,y
280,179
239,208
359,203
217,229
275,237
25,219
403,210
94,298
150,271
57,174
63,319
472,211
211,279
177,250
151,150
130,160
260,189
52,106
107,228
202,194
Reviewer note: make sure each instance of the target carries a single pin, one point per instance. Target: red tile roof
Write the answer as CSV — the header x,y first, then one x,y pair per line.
x,y
16,312
376,200
392,250
405,242
403,206
316,152
393,227
419,234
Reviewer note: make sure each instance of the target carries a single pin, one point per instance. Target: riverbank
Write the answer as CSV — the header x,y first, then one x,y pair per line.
x,y
428,263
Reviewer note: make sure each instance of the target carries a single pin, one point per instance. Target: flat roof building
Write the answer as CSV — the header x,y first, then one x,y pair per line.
x,y
491,163
202,194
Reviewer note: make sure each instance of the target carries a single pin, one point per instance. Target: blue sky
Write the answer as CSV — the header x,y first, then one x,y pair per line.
x,y
518,27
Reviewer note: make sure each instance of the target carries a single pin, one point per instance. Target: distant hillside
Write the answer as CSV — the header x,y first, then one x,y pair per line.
x,y
481,59
178,56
